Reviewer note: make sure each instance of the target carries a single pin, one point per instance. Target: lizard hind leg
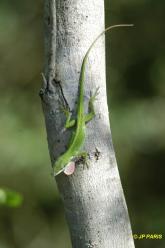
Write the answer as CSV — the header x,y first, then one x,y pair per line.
x,y
69,123
91,108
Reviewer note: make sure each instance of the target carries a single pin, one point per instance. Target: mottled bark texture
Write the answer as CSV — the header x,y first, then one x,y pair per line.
x,y
93,198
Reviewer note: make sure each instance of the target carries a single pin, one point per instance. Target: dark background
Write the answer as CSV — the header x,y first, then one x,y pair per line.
x,y
136,91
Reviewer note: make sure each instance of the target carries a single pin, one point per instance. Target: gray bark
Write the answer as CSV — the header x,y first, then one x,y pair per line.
x,y
93,198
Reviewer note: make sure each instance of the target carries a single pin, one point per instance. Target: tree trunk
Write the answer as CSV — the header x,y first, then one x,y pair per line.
x,y
93,198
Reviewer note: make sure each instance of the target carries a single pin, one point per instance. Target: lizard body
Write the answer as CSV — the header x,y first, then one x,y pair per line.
x,y
78,136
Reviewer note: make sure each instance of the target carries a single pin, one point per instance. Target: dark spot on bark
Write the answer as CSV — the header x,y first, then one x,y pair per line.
x,y
57,82
97,154
41,92
52,112
48,20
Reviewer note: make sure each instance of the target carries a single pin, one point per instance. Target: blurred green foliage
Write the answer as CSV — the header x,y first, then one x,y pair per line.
x,y
136,91
10,198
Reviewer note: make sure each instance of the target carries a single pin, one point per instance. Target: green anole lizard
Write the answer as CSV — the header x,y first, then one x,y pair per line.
x,y
65,163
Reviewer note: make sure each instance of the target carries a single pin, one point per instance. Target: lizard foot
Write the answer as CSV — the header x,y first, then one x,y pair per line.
x,y
83,158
